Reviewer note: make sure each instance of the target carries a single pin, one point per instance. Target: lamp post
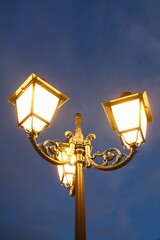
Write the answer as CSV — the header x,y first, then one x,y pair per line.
x,y
36,102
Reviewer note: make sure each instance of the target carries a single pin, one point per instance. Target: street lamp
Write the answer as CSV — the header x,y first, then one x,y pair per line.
x,y
36,103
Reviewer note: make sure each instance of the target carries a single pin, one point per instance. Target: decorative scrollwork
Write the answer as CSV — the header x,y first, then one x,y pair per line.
x,y
69,134
112,158
91,137
50,147
49,150
109,155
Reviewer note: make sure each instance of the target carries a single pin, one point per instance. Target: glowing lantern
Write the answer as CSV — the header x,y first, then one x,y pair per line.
x,y
129,115
66,171
36,102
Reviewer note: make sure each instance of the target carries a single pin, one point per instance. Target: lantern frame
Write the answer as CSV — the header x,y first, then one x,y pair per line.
x,y
33,80
64,179
127,97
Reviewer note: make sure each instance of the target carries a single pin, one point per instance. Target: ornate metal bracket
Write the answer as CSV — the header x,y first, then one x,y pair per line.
x,y
112,158
81,148
48,150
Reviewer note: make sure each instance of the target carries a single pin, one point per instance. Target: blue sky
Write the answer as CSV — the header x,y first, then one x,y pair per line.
x,y
91,51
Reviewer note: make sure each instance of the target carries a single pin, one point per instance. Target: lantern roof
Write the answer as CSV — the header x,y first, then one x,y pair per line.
x,y
33,78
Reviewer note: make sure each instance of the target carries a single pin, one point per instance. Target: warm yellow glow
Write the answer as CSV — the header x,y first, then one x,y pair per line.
x,y
45,103
66,171
23,104
38,106
36,102
126,115
131,117
132,137
63,156
33,123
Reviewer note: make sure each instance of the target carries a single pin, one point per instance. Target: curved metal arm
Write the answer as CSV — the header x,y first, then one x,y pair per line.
x,y
114,157
48,150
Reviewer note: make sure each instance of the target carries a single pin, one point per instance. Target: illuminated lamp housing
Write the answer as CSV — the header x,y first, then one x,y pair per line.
x,y
128,116
36,102
66,171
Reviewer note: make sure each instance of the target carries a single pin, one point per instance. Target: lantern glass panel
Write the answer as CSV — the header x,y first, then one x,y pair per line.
x,y
126,115
33,123
131,121
45,103
23,104
66,171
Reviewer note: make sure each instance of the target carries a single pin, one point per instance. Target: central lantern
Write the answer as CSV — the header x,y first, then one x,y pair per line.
x,y
66,171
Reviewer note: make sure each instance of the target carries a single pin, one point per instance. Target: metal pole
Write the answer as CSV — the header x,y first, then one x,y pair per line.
x,y
80,223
